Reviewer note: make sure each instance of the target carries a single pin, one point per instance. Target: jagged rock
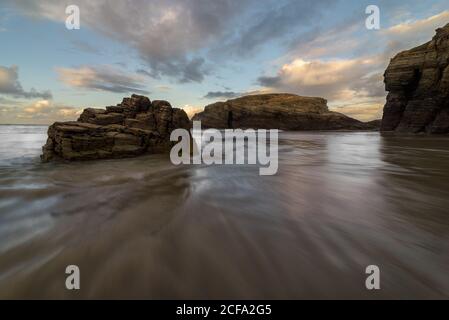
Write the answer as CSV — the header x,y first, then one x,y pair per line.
x,y
277,111
132,128
90,113
161,103
418,85
115,109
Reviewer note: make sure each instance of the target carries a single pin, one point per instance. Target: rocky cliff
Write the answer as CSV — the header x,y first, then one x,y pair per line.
x,y
418,85
277,111
133,127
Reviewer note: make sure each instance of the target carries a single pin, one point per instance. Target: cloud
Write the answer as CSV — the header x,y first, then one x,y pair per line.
x,y
410,34
45,109
193,71
102,78
349,38
163,88
282,20
10,85
421,27
322,42
186,71
38,107
175,37
232,94
39,112
221,94
330,79
168,34
144,72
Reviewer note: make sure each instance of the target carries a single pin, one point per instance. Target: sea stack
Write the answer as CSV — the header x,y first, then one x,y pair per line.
x,y
134,127
277,111
418,85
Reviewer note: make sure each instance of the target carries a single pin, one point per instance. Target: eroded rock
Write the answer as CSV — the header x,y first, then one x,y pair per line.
x,y
277,111
131,128
418,85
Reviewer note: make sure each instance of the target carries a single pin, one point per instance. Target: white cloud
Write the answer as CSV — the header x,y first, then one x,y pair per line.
x,y
103,78
417,27
163,88
335,79
410,34
38,112
39,107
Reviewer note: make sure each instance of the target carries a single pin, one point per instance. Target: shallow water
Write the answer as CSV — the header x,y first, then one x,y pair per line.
x,y
143,228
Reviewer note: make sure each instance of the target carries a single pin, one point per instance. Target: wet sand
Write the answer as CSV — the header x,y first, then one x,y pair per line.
x,y
143,228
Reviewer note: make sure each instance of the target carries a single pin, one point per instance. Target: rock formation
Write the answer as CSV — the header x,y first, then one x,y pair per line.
x,y
133,127
277,111
418,85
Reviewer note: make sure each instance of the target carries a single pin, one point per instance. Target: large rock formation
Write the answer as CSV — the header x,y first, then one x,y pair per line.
x,y
277,111
134,127
418,85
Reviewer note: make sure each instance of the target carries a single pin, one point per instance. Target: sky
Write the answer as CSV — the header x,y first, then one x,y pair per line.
x,y
196,52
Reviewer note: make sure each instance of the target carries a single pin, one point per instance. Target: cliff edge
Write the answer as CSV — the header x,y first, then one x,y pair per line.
x,y
418,85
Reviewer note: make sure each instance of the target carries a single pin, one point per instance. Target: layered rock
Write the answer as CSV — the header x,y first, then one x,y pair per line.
x,y
134,127
418,85
277,111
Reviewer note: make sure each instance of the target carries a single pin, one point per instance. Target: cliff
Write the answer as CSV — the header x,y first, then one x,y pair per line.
x,y
418,85
277,111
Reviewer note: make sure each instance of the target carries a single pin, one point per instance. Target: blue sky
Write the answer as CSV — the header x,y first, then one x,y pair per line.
x,y
195,52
